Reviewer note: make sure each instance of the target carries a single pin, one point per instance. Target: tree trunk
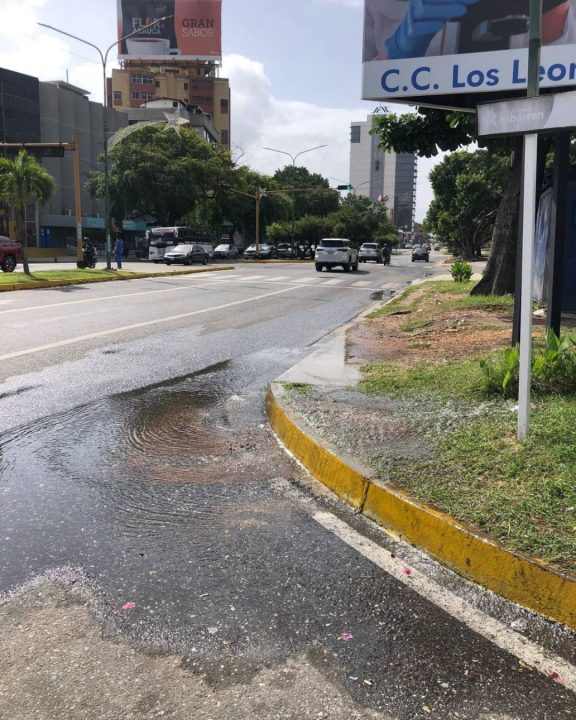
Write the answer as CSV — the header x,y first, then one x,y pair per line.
x,y
22,236
500,274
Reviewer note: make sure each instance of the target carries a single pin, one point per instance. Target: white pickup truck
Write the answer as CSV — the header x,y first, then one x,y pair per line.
x,y
336,252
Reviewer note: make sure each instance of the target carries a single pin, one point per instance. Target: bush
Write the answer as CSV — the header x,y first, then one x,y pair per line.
x,y
553,368
461,271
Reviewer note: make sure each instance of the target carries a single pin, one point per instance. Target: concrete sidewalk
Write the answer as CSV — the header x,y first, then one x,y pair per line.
x,y
332,429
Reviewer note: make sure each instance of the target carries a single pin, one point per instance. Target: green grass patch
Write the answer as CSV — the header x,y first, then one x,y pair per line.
x,y
430,300
303,388
62,275
521,494
417,324
463,379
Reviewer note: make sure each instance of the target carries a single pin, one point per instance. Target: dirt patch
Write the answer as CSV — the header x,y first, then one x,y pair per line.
x,y
415,336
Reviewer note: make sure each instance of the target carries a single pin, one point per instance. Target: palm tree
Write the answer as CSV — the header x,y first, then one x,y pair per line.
x,y
22,181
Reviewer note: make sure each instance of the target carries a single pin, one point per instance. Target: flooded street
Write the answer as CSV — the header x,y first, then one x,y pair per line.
x,y
160,554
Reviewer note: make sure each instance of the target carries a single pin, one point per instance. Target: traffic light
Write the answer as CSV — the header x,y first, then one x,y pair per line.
x,y
345,187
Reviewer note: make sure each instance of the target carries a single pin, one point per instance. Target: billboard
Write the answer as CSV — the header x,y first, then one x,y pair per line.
x,y
193,32
447,52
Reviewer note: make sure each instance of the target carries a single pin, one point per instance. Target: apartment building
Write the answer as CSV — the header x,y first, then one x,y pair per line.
x,y
383,177
196,84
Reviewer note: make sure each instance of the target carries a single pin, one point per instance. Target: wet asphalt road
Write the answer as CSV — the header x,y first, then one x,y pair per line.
x,y
142,459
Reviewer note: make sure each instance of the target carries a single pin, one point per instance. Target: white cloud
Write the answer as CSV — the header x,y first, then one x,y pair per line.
x,y
32,50
260,120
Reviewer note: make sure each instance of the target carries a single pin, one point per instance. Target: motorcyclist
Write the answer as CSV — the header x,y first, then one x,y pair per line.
x,y
89,252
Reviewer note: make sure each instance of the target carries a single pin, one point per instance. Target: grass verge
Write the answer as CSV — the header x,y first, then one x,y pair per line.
x,y
522,495
74,276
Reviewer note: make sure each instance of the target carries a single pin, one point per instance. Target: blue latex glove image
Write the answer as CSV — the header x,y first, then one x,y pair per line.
x,y
422,21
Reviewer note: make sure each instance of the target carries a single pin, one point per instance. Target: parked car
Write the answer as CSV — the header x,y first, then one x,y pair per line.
x,y
420,252
370,252
10,254
265,252
285,250
225,252
336,252
186,254
208,249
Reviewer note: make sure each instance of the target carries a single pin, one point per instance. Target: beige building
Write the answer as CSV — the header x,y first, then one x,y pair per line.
x,y
195,84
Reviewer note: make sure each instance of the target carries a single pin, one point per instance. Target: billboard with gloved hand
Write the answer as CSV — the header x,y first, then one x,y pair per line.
x,y
441,51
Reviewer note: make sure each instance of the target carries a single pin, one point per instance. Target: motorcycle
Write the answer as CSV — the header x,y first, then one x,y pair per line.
x,y
89,260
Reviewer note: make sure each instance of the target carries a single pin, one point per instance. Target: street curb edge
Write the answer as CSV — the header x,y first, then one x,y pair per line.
x,y
520,579
43,284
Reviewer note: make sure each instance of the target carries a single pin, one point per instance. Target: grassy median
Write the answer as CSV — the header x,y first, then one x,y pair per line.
x,y
70,277
521,494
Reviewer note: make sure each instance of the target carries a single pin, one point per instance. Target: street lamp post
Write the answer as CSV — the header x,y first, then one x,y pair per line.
x,y
294,158
104,60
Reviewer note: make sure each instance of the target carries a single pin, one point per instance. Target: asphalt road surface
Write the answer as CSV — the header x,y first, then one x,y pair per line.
x,y
135,462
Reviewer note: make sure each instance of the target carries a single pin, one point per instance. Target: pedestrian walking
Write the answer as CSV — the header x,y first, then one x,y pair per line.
x,y
119,251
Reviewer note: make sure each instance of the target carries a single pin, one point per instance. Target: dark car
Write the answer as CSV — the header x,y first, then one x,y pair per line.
x,y
225,252
265,252
420,252
186,254
285,250
370,252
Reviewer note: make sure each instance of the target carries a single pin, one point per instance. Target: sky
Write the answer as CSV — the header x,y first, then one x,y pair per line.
x,y
294,69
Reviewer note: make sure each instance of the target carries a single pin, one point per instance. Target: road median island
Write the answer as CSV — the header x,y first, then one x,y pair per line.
x,y
429,452
62,278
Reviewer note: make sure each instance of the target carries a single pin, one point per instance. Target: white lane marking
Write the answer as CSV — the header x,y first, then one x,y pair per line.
x,y
101,299
56,319
242,278
279,278
335,281
136,326
306,280
363,283
494,631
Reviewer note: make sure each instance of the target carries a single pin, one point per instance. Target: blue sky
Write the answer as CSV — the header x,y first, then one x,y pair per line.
x,y
294,67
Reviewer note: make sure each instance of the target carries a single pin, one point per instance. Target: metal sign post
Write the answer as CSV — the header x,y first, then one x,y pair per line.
x,y
529,227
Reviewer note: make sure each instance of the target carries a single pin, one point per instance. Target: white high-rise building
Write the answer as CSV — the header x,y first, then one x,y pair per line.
x,y
383,177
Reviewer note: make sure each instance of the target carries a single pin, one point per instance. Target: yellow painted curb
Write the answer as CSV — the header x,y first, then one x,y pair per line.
x,y
43,284
346,482
529,582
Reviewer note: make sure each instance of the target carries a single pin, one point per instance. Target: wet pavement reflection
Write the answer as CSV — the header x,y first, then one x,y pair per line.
x,y
169,498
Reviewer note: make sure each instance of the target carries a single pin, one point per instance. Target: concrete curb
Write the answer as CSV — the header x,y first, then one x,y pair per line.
x,y
523,580
43,284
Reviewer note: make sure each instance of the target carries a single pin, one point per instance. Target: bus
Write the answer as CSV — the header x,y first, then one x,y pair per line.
x,y
161,239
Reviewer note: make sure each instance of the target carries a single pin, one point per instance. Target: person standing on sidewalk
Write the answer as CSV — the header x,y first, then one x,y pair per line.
x,y
119,251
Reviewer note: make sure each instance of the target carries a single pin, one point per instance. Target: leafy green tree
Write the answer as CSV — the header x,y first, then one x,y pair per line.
x,y
467,190
278,231
427,132
361,221
23,180
321,200
312,228
163,174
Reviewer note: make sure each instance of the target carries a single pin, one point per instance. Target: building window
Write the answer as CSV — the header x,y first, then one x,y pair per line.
x,y
135,96
185,86
225,137
224,106
355,131
157,83
117,97
140,79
